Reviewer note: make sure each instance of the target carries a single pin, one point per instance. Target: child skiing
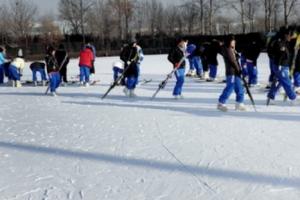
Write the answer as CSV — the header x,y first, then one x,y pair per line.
x,y
62,59
16,69
281,68
53,70
85,65
233,77
3,60
38,67
130,57
175,57
118,68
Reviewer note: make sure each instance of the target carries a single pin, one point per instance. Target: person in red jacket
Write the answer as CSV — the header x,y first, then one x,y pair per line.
x,y
85,65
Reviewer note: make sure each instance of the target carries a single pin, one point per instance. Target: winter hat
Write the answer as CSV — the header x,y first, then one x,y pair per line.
x,y
118,64
20,53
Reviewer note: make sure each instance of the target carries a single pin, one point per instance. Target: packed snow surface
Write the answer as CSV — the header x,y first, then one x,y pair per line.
x,y
77,146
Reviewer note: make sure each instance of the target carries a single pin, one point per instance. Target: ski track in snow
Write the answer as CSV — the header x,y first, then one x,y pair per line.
x,y
77,146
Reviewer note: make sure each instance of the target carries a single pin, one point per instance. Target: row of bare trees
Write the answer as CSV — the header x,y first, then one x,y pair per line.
x,y
123,18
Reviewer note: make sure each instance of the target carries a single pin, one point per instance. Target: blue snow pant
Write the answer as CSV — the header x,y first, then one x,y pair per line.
x,y
273,67
42,73
252,73
244,65
14,73
196,64
55,79
131,82
297,79
233,83
213,71
2,74
284,80
117,71
179,74
84,73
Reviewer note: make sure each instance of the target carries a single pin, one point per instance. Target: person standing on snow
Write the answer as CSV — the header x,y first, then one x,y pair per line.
x,y
52,70
130,56
212,59
251,55
93,48
282,64
175,57
38,67
63,59
196,68
15,69
233,77
3,60
85,65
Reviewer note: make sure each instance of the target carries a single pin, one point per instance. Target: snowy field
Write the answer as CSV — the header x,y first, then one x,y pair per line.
x,y
76,146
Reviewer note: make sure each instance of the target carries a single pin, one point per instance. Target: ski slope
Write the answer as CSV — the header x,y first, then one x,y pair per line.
x,y
77,146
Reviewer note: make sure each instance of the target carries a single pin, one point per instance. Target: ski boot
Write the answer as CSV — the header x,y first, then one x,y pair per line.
x,y
222,107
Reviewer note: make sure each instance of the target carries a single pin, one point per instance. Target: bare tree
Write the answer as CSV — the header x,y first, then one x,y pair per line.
x,y
75,12
171,20
189,13
288,7
123,9
49,31
21,18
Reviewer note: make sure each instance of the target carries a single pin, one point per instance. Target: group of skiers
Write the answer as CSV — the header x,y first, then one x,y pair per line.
x,y
282,50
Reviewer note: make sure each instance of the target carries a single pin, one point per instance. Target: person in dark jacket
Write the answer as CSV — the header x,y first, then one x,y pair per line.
x,y
251,55
297,67
62,58
282,63
213,50
130,56
52,70
233,77
196,68
177,58
38,67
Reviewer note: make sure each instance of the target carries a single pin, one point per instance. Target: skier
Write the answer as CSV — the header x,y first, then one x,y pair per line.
x,y
282,64
297,68
175,56
16,69
118,68
213,50
140,59
85,65
62,59
251,54
233,77
3,60
130,56
53,70
38,67
93,48
196,68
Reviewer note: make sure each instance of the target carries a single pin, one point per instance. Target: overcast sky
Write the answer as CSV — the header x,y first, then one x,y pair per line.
x,y
50,6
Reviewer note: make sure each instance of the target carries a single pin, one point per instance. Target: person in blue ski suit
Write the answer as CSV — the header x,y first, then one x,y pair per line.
x,y
281,67
177,58
233,77
196,68
38,67
52,70
251,54
130,56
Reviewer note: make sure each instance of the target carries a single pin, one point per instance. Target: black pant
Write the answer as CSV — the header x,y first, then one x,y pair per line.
x,y
63,74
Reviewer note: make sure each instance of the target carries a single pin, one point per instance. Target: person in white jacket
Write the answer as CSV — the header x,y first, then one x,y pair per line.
x,y
16,68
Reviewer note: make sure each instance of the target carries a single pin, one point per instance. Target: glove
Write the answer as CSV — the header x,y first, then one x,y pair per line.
x,y
177,65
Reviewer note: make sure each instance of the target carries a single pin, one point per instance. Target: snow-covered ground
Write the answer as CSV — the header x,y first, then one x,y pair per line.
x,y
77,146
